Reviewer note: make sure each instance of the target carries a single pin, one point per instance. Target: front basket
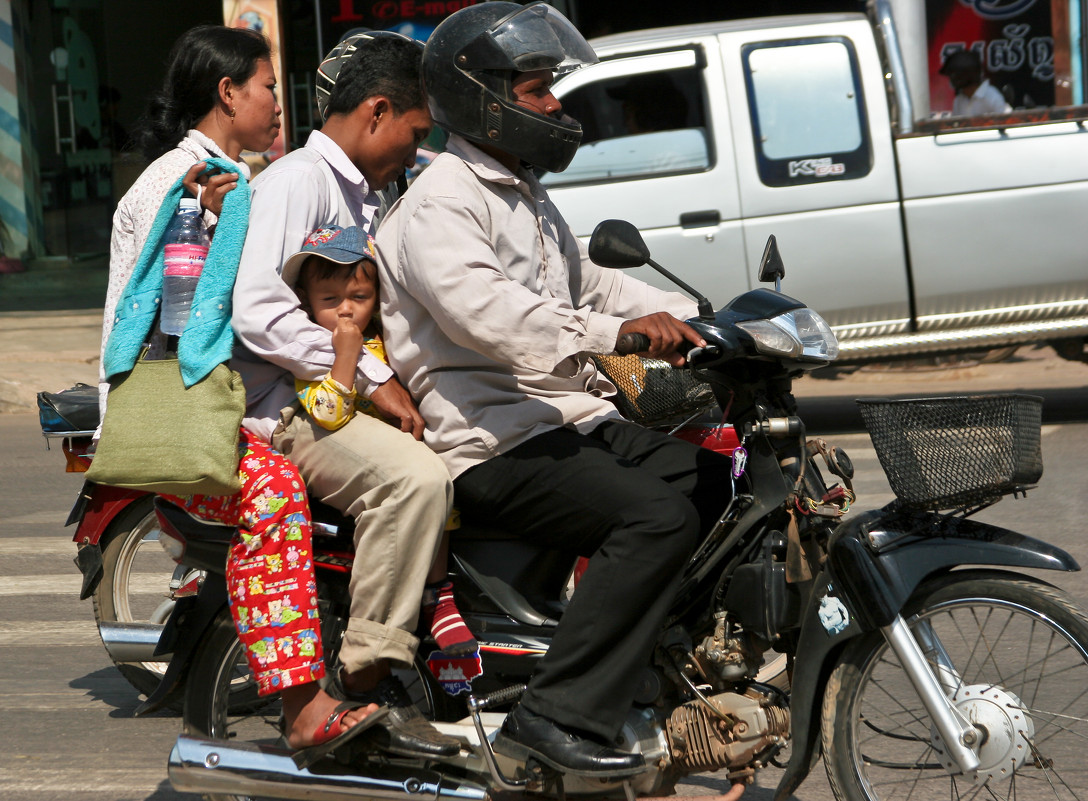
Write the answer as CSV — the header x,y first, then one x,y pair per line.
x,y
652,392
954,453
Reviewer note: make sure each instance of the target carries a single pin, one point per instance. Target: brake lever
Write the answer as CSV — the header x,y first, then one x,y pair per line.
x,y
708,353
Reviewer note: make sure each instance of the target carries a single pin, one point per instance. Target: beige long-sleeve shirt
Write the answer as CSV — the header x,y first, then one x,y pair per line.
x,y
491,307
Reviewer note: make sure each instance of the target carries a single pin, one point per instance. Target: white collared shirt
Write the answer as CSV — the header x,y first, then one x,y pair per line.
x,y
491,307
987,99
313,186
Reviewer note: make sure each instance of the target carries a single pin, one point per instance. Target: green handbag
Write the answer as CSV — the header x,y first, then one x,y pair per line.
x,y
160,437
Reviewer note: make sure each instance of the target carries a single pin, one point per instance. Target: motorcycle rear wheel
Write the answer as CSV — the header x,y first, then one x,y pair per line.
x,y
217,707
137,577
1019,641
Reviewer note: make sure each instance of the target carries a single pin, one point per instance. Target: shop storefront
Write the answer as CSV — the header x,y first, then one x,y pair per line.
x,y
83,70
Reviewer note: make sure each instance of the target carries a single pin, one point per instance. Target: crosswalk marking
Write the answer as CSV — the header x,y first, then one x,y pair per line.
x,y
47,632
71,583
36,546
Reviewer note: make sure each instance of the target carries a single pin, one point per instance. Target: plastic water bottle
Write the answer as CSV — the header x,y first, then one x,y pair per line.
x,y
186,248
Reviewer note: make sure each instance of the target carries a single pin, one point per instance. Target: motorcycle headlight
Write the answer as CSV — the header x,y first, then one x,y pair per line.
x,y
799,334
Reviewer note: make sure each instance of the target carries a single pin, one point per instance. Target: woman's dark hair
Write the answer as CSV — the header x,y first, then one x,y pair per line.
x,y
200,58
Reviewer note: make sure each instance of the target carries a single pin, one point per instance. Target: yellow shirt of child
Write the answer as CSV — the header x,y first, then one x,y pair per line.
x,y
329,403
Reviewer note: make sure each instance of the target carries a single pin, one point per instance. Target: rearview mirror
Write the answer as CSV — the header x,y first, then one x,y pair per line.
x,y
771,267
618,244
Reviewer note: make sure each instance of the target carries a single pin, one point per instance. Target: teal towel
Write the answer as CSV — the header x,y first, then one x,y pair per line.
x,y
207,339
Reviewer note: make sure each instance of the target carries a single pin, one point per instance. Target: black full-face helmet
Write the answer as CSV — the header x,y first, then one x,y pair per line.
x,y
469,65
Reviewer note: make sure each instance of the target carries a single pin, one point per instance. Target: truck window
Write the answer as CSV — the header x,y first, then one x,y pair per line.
x,y
636,126
808,112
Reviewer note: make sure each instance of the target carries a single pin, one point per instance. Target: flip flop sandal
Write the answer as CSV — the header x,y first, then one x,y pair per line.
x,y
331,735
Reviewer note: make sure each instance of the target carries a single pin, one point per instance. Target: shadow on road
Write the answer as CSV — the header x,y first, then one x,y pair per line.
x,y
110,688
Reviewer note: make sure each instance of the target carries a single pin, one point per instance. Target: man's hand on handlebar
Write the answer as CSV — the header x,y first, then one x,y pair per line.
x,y
394,402
669,338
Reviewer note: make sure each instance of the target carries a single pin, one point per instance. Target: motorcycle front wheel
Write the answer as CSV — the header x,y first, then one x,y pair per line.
x,y
1019,649
221,701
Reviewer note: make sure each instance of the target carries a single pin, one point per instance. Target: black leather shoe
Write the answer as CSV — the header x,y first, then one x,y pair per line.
x,y
525,734
404,731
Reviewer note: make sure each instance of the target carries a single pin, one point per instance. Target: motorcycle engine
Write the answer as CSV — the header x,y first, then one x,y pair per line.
x,y
732,735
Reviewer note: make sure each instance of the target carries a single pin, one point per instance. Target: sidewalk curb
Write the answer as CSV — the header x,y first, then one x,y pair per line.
x,y
46,350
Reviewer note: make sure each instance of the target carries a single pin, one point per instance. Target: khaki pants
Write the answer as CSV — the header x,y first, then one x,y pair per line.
x,y
400,495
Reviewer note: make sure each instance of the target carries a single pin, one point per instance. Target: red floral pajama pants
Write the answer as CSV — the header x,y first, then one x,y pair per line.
x,y
270,571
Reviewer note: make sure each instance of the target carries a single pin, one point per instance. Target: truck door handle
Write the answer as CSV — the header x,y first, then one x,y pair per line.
x,y
700,219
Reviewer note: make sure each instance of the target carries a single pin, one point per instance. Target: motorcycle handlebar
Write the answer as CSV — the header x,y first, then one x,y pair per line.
x,y
640,343
632,343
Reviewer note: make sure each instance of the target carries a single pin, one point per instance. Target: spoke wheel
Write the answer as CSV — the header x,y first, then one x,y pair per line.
x,y
774,671
1020,649
221,701
136,587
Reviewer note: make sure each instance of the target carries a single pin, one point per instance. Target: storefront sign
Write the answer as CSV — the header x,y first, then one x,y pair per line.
x,y
413,17
1013,38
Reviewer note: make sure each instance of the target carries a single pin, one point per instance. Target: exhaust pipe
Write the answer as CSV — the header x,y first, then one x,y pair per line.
x,y
132,642
246,769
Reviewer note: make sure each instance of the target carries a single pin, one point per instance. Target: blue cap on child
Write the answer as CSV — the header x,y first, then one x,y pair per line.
x,y
341,245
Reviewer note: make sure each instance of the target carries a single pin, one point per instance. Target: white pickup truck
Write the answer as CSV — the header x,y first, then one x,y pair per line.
x,y
911,233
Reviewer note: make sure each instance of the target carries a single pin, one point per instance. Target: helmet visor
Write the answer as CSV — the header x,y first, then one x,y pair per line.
x,y
536,37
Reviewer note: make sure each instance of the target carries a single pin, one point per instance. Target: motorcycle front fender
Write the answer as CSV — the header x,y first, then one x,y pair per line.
x,y
881,557
875,563
184,630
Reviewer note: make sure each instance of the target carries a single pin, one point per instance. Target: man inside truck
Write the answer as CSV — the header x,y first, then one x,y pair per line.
x,y
974,93
650,103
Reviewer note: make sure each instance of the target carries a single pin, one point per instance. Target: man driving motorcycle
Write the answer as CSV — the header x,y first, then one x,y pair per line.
x,y
491,306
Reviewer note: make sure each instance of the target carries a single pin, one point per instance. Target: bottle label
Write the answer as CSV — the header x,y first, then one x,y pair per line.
x,y
184,259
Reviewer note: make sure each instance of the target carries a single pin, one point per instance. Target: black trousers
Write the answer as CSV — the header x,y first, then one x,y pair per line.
x,y
635,502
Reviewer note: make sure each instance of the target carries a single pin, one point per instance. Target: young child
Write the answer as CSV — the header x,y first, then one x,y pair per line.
x,y
336,280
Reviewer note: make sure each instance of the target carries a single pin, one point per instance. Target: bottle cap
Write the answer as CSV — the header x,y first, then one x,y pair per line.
x,y
188,204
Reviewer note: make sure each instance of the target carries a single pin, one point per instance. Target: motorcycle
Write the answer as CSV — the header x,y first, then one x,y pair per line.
x,y
920,663
132,582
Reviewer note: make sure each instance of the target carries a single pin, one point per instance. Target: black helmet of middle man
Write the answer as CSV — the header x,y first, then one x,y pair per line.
x,y
341,54
469,64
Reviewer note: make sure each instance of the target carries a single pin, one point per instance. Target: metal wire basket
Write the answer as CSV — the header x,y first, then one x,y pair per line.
x,y
651,392
954,453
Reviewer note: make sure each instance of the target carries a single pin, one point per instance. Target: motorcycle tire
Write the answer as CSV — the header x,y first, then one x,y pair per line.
x,y
1020,649
217,709
135,588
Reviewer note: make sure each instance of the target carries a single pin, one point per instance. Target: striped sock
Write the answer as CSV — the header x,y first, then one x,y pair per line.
x,y
440,615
